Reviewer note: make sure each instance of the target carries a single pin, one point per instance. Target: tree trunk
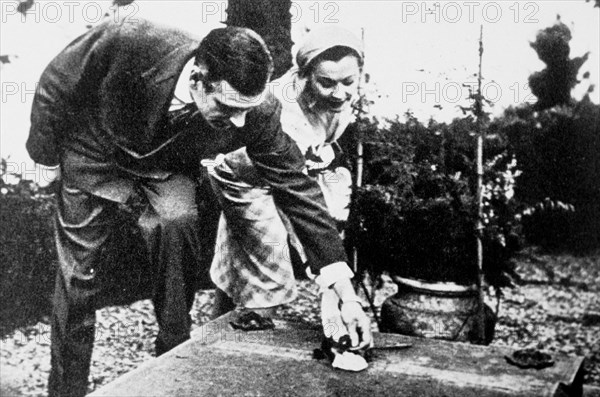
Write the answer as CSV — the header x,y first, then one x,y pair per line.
x,y
273,21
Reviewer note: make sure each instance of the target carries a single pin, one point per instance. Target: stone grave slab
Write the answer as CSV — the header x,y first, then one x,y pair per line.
x,y
220,361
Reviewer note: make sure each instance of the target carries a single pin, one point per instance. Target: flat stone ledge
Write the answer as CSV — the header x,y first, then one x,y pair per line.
x,y
221,361
591,391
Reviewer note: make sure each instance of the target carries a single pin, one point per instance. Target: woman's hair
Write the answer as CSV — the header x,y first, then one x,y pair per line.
x,y
335,54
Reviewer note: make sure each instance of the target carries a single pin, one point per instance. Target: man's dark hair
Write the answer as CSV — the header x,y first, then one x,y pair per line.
x,y
238,56
334,54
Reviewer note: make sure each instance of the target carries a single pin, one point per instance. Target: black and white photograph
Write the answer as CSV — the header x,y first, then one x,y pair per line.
x,y
300,198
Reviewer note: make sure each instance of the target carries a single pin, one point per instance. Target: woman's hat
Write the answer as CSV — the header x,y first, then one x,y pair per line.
x,y
322,39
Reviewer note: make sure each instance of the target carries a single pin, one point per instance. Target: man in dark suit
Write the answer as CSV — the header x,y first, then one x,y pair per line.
x,y
128,110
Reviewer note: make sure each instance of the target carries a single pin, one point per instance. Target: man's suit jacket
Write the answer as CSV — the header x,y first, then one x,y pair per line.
x,y
101,111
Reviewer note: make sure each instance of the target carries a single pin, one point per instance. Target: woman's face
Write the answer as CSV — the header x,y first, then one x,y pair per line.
x,y
334,84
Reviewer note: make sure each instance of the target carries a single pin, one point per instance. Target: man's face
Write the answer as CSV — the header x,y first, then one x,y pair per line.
x,y
334,85
221,105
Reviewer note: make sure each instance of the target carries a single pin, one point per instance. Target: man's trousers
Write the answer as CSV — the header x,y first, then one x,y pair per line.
x,y
85,224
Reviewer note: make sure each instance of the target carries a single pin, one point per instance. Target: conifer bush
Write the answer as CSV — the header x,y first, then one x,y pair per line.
x,y
416,214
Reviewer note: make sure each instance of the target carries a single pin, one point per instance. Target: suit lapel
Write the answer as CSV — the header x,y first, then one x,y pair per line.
x,y
161,78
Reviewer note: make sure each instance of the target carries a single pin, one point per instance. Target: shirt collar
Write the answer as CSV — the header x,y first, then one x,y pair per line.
x,y
182,95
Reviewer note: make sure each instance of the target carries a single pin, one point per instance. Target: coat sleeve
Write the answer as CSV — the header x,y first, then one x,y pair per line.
x,y
281,164
64,87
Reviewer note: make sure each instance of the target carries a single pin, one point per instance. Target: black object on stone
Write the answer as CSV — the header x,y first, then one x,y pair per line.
x,y
530,358
252,321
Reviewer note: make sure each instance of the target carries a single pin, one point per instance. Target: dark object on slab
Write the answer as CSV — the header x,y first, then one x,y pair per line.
x,y
372,354
530,358
327,344
252,321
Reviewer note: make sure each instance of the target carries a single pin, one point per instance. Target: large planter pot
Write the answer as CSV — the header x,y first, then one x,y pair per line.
x,y
435,310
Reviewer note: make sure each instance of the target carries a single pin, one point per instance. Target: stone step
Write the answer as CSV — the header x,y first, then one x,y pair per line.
x,y
591,391
221,361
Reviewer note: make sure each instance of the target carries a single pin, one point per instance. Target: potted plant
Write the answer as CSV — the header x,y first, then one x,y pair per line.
x,y
415,218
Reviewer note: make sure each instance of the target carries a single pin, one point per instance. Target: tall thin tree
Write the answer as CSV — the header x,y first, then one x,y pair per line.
x,y
478,112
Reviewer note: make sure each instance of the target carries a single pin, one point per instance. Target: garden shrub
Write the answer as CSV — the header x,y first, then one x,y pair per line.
x,y
28,255
558,152
556,142
415,216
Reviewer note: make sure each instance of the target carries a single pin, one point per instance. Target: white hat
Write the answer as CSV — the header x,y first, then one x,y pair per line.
x,y
322,39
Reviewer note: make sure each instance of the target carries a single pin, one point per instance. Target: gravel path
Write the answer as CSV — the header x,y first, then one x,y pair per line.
x,y
547,312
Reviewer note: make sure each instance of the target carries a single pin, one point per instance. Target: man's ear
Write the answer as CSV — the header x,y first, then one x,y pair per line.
x,y
199,72
196,74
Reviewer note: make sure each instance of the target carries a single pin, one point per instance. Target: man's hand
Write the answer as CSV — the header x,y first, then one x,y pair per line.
x,y
358,325
354,318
